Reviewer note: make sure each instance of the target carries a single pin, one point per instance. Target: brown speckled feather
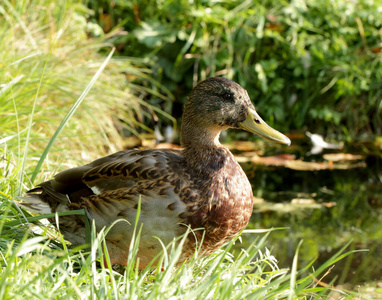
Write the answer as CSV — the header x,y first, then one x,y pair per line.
x,y
201,186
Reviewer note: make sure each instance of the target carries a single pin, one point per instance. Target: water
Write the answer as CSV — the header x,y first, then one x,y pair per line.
x,y
326,209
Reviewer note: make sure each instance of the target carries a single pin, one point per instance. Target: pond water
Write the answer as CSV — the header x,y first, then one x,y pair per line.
x,y
326,209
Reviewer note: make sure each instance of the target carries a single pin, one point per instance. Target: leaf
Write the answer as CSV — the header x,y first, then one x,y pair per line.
x,y
342,157
154,34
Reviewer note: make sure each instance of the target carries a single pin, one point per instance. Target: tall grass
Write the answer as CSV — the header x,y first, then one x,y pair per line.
x,y
47,62
38,267
49,67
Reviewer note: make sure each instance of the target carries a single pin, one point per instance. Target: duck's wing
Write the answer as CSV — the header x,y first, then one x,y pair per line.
x,y
121,170
111,188
151,177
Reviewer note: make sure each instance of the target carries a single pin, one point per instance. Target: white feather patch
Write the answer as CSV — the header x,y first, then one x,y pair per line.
x,y
96,190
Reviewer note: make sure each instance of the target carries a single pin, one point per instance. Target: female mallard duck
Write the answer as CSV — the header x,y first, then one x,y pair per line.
x,y
201,186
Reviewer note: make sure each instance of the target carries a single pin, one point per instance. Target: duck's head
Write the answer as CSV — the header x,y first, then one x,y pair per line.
x,y
216,104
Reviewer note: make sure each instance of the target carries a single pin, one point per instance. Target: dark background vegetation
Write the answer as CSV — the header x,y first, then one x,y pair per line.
x,y
307,65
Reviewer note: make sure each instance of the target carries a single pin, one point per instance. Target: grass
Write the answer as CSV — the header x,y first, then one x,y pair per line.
x,y
50,67
42,266
47,62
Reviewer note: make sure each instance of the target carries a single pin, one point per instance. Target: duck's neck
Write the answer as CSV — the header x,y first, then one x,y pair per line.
x,y
197,131
199,137
203,155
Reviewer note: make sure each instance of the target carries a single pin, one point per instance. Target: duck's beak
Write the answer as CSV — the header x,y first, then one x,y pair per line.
x,y
253,123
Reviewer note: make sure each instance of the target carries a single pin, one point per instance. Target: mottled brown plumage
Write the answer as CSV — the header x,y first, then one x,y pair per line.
x,y
201,186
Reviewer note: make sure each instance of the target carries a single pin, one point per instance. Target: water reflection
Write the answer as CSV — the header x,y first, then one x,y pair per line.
x,y
338,206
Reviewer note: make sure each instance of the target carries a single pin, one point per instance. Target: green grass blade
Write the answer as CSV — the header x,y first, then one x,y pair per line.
x,y
29,126
47,216
292,293
70,114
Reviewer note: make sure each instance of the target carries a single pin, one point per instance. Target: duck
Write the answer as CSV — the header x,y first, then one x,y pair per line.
x,y
199,186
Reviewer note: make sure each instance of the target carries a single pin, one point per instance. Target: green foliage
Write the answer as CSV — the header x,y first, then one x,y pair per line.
x,y
308,64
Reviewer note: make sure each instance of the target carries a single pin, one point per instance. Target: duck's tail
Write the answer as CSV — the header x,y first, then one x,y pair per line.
x,y
44,200
34,202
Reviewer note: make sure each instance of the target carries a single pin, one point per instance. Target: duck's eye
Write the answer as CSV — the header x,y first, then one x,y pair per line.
x,y
227,96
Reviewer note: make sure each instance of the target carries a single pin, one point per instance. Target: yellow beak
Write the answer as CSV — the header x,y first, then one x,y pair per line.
x,y
253,123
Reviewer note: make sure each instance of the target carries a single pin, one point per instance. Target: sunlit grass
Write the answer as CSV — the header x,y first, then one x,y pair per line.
x,y
38,265
47,62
